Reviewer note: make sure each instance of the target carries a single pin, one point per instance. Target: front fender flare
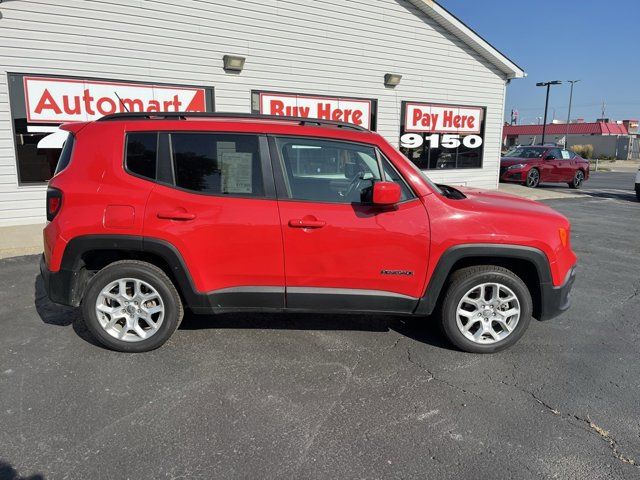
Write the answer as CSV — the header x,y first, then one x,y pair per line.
x,y
451,256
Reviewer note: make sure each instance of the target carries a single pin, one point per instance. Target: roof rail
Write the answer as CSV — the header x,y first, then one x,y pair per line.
x,y
185,115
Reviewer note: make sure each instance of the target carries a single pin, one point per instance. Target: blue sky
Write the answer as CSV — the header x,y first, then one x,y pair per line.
x,y
590,40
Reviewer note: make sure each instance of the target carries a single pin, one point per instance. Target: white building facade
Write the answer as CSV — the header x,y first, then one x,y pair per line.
x,y
75,60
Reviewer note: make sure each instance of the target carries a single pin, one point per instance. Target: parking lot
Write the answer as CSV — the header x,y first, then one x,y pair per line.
x,y
304,396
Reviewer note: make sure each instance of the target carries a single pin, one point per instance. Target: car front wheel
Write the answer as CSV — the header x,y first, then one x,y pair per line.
x,y
533,178
578,178
486,309
131,306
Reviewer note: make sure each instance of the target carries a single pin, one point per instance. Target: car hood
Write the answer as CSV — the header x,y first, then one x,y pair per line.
x,y
494,201
508,161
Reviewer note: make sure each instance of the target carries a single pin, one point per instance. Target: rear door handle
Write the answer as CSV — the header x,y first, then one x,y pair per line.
x,y
306,223
176,215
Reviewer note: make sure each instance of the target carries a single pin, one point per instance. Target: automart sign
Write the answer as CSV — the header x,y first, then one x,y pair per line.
x,y
56,100
350,110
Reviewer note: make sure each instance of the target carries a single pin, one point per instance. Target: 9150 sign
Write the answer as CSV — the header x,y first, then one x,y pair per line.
x,y
447,140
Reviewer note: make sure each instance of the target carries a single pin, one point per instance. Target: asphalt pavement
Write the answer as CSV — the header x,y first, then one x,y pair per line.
x,y
310,396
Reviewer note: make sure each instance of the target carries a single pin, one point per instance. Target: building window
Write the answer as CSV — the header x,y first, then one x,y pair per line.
x,y
41,103
440,137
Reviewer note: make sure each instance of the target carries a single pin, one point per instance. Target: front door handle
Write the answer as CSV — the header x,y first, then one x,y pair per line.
x,y
306,223
176,215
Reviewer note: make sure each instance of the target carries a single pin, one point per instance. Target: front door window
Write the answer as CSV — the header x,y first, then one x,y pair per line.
x,y
332,171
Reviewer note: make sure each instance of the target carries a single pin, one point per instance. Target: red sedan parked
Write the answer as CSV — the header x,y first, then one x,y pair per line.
x,y
533,165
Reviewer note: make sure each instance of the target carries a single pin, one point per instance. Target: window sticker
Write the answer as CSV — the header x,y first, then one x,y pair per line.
x,y
236,173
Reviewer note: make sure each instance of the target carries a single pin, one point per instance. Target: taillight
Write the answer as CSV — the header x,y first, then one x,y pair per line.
x,y
54,202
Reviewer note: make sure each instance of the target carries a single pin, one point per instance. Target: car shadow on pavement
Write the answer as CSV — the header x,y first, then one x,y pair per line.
x,y
59,315
607,194
424,329
614,194
421,329
7,472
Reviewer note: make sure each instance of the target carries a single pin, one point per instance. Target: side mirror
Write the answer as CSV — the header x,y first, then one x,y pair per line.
x,y
386,193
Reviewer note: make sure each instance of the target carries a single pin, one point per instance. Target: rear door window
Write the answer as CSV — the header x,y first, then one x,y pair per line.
x,y
217,164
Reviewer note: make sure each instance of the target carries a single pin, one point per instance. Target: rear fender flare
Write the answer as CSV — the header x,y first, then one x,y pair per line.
x,y
72,263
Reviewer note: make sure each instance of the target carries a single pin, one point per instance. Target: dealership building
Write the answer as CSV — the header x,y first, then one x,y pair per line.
x,y
408,69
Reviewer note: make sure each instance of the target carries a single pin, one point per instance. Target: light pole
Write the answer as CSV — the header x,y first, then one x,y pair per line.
x,y
566,138
546,103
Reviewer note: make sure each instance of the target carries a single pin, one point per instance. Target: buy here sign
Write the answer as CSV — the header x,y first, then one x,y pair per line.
x,y
355,111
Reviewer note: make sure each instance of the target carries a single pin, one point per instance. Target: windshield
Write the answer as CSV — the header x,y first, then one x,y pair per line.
x,y
525,152
421,173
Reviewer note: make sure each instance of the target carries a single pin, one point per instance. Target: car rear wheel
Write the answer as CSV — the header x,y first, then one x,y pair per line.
x,y
131,306
578,178
533,178
486,309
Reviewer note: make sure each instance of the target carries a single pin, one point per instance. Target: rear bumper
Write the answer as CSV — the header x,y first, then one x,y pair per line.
x,y
556,300
59,286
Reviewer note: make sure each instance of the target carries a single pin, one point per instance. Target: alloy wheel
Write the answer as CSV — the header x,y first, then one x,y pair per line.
x,y
130,309
577,181
488,313
533,178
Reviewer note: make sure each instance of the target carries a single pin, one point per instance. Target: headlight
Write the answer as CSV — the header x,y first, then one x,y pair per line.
x,y
516,166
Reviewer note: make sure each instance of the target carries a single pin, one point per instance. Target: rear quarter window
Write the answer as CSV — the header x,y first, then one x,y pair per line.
x,y
141,154
65,154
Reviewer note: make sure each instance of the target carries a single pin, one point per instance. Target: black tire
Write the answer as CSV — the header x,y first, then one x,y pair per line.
x,y
533,178
578,178
464,280
638,194
154,276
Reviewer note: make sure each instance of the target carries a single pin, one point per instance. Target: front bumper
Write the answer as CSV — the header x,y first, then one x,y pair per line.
x,y
507,175
555,300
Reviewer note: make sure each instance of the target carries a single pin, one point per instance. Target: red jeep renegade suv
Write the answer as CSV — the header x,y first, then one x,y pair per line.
x,y
151,213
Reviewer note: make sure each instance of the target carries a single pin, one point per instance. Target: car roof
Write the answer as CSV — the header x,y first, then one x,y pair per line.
x,y
231,123
226,116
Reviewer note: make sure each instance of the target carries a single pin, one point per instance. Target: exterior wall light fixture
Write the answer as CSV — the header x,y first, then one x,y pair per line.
x,y
392,79
233,63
